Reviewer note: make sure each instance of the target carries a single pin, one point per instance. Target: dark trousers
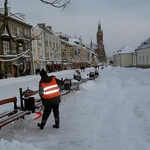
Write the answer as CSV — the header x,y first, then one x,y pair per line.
x,y
48,109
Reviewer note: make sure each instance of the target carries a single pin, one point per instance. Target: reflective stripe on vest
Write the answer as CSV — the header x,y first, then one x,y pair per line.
x,y
50,89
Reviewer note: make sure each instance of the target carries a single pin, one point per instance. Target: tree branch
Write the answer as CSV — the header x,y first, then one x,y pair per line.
x,y
56,3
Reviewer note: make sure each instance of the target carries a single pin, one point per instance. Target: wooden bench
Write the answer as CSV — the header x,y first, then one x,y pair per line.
x,y
12,115
93,74
6,101
19,112
38,102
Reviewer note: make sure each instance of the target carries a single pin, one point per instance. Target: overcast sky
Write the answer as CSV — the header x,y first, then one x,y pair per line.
x,y
123,21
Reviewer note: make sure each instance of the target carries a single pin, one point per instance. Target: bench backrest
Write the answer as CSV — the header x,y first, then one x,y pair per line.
x,y
9,100
36,92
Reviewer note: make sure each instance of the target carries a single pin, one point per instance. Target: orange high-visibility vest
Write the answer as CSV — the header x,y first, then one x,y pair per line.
x,y
50,89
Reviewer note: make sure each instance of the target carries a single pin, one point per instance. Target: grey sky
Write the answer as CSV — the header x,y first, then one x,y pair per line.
x,y
123,21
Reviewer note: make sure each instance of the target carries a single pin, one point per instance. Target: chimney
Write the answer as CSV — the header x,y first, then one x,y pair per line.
x,y
41,25
49,27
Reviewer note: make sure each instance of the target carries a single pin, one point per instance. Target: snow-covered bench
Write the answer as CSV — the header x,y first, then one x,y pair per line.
x,y
93,74
11,115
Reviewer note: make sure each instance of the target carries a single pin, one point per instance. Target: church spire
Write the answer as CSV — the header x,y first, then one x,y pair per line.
x,y
99,27
99,34
100,46
91,43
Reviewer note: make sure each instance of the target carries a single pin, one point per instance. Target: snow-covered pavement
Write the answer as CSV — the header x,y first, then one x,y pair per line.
x,y
108,113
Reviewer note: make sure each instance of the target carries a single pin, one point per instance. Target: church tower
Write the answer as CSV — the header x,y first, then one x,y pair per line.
x,y
100,46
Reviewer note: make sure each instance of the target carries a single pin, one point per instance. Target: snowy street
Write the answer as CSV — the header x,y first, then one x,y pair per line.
x,y
108,113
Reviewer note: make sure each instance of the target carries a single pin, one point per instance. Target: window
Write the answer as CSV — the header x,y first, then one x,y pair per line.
x,y
27,46
57,47
50,44
20,48
146,58
12,30
7,67
134,59
19,32
26,33
14,48
6,49
139,59
5,31
46,43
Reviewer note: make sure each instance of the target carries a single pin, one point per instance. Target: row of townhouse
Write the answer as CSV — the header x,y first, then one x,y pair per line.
x,y
127,56
30,48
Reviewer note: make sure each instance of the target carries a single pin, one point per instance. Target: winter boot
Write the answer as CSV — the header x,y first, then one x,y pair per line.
x,y
56,123
41,125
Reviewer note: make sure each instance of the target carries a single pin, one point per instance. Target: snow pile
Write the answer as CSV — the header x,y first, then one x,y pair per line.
x,y
5,145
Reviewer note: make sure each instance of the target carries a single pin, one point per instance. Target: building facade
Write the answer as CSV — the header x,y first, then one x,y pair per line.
x,y
124,56
46,48
15,46
143,54
66,51
26,49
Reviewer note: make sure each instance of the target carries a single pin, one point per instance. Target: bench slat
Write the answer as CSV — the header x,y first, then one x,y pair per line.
x,y
73,87
9,117
13,118
64,92
38,105
7,113
8,100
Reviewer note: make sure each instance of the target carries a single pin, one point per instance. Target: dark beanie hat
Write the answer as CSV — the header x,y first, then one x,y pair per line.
x,y
43,72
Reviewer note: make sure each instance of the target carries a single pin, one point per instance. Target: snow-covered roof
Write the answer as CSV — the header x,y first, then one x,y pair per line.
x,y
47,29
17,16
72,42
94,45
126,49
145,44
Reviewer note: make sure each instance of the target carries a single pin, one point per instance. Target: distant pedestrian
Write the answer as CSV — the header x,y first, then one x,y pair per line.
x,y
83,68
1,74
37,71
50,96
5,72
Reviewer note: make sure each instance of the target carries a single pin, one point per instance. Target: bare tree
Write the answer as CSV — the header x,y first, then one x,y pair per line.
x,y
5,20
55,3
